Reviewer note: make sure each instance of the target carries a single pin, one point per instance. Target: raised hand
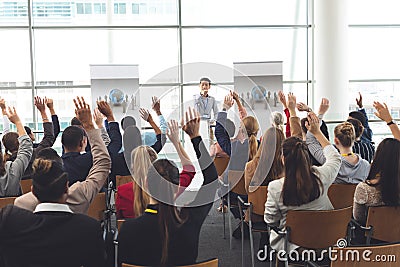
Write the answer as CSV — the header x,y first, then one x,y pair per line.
x,y
106,110
324,106
359,100
156,105
291,102
228,102
49,103
145,114
40,104
314,123
235,95
303,107
12,115
191,125
173,132
98,118
3,106
382,111
83,113
282,98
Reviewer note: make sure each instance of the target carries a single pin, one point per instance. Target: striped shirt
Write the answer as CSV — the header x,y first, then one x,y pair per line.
x,y
365,150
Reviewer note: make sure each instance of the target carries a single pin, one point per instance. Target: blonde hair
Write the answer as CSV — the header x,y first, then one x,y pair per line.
x,y
345,133
278,120
251,125
142,158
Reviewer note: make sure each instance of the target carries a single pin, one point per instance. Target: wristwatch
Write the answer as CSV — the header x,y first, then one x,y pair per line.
x,y
390,123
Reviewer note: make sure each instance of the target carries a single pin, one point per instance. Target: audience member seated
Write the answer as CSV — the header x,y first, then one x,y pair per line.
x,y
131,198
80,194
365,149
77,162
11,171
52,235
119,165
382,184
164,235
304,186
353,169
361,115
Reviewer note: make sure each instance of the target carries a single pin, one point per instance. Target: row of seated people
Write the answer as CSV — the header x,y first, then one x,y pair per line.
x,y
319,177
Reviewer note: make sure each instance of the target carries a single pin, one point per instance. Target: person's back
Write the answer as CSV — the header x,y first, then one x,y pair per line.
x,y
48,238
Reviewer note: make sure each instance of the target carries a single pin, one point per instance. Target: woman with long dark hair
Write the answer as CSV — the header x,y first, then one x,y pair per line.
x,y
382,184
165,235
304,186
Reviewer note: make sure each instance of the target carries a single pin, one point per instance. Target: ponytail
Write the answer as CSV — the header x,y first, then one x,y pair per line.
x,y
301,185
252,127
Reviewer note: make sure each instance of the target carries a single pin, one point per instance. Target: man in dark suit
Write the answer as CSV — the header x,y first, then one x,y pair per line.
x,y
52,235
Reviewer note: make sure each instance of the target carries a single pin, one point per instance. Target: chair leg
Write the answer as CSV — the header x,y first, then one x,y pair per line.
x,y
223,215
242,230
251,244
229,222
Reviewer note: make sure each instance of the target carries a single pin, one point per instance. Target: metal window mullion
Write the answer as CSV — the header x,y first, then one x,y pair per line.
x,y
32,57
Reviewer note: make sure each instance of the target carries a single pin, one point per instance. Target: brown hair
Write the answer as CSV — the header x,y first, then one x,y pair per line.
x,y
345,133
252,127
301,185
11,145
269,157
142,158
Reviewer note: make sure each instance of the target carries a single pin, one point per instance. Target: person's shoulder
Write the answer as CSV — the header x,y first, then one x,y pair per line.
x,y
125,187
276,185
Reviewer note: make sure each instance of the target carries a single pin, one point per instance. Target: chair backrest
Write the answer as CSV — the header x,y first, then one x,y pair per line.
x,y
385,221
123,179
341,195
367,256
6,201
97,207
236,182
208,263
221,164
258,197
316,229
119,223
26,185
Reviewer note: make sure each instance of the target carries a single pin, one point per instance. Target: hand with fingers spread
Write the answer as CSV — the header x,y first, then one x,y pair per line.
x,y
282,99
324,106
173,132
382,111
303,107
191,125
98,118
145,114
106,110
156,105
40,104
12,115
291,102
359,100
83,113
228,102
3,106
235,96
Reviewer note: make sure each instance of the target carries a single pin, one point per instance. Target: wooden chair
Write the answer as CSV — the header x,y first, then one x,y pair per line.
x,y
382,223
221,164
341,195
123,179
26,185
98,207
6,201
382,255
208,263
119,224
316,229
257,197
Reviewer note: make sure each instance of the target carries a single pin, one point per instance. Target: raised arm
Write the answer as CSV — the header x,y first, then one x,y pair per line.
x,y
161,138
367,134
48,138
17,167
98,174
242,110
98,118
282,99
113,128
221,134
382,112
54,117
6,122
295,126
